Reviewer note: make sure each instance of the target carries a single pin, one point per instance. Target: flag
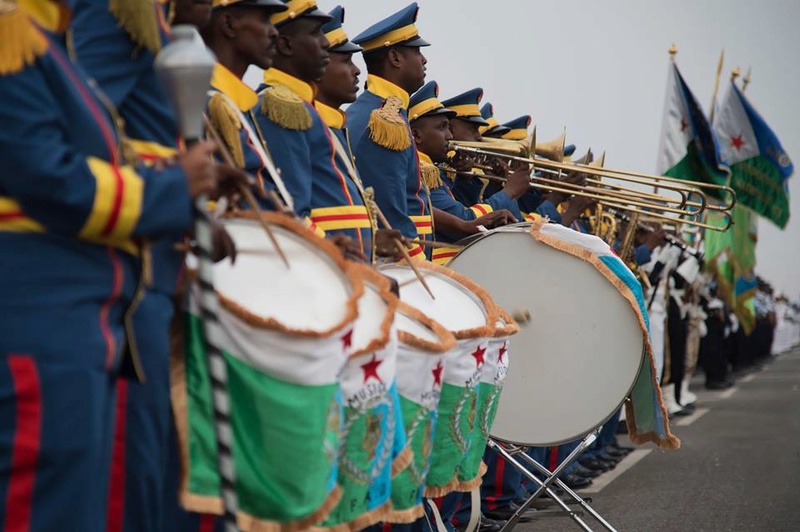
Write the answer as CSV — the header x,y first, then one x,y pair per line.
x,y
688,148
760,168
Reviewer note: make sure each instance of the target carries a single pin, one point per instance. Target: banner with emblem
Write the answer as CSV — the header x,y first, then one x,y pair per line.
x,y
760,168
688,148
286,416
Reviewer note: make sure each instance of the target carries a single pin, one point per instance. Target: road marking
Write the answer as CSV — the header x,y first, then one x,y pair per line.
x,y
748,378
688,420
607,478
727,393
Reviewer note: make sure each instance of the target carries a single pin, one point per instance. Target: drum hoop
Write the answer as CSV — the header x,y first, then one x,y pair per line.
x,y
477,293
330,253
369,276
510,327
446,339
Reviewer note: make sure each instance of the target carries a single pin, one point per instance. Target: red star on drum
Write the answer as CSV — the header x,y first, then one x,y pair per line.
x,y
478,355
437,373
370,369
347,340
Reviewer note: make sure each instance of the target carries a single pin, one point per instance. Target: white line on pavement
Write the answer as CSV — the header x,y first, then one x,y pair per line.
x,y
607,478
688,420
727,393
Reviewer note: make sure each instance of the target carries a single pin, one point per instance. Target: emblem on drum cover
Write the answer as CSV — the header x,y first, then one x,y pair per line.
x,y
378,422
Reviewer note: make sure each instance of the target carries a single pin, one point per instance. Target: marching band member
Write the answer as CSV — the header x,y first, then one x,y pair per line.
x,y
76,199
431,132
378,123
492,127
339,86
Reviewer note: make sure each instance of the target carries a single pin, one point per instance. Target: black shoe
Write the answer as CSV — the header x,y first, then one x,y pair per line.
x,y
490,525
604,456
620,447
615,453
585,472
593,464
718,385
575,482
691,407
504,513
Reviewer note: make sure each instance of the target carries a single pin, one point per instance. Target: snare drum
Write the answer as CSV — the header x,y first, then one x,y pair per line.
x,y
286,334
420,371
468,312
373,439
579,356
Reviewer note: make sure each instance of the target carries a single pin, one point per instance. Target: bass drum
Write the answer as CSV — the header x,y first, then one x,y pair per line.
x,y
578,357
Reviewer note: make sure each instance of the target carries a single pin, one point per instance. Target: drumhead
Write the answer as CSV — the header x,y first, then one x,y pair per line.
x,y
456,307
311,295
577,359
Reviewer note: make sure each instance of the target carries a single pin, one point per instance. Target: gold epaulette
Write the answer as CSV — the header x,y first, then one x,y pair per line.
x,y
138,18
285,108
387,127
430,176
21,42
228,125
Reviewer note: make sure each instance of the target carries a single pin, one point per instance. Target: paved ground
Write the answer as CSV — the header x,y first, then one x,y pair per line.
x,y
738,467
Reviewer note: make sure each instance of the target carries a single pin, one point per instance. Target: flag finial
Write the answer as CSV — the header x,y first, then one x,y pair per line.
x,y
673,51
746,79
735,73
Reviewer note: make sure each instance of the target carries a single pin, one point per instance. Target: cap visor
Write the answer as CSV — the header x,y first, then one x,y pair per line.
x,y
497,131
318,14
347,47
474,119
442,111
275,6
414,42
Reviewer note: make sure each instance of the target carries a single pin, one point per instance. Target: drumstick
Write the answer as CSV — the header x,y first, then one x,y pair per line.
x,y
404,251
246,193
434,244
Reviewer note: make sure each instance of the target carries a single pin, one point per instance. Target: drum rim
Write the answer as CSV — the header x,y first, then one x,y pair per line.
x,y
447,339
330,253
473,289
384,289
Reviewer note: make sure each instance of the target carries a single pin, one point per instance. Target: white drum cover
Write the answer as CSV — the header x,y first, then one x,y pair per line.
x,y
578,357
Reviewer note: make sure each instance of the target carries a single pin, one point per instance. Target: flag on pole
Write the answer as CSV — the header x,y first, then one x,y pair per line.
x,y
688,148
760,168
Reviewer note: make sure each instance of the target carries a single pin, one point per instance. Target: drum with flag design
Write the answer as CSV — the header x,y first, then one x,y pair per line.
x,y
423,344
467,311
287,332
373,439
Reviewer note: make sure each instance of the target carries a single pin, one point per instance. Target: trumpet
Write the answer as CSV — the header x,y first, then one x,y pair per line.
x,y
669,237
629,199
521,152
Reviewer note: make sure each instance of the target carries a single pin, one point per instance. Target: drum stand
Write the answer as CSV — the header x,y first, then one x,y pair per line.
x,y
551,479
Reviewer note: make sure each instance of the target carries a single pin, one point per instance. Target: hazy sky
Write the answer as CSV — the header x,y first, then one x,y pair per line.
x,y
599,69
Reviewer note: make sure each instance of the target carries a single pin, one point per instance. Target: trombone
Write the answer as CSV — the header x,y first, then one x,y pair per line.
x,y
653,205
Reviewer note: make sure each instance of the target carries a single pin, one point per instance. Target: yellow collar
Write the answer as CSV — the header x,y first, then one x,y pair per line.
x,y
227,83
380,87
333,118
305,91
424,159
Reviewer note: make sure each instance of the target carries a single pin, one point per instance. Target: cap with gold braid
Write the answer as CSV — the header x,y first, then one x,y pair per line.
x,y
518,128
465,105
425,102
275,5
398,29
493,129
334,32
299,8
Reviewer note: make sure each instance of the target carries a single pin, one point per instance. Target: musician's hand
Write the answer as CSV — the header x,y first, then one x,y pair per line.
x,y
348,247
462,162
655,239
576,178
578,204
222,243
518,183
500,168
198,166
230,181
491,220
386,243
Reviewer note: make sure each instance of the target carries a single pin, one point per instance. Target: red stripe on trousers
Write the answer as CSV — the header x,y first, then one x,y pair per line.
x,y
206,523
27,439
116,484
491,500
553,458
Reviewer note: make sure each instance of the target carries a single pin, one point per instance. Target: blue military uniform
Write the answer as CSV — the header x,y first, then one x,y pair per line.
x,y
73,214
381,138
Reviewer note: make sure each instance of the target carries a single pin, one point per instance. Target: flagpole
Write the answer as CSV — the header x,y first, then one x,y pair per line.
x,y
716,86
746,79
